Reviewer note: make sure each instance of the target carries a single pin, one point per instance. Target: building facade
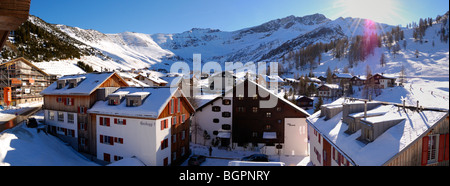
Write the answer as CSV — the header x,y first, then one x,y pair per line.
x,y
66,102
151,124
25,80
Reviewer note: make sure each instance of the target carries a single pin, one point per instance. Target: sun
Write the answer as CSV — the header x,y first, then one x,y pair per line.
x,y
382,11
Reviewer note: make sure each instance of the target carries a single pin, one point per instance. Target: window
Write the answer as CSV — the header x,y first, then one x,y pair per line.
x,y
174,120
182,151
120,121
174,156
117,158
174,138
69,101
432,148
106,140
183,118
171,106
226,102
61,116
268,127
268,114
216,120
179,105
164,124
279,109
118,140
226,127
82,110
51,115
183,135
104,121
241,109
59,99
70,118
255,109
70,133
83,126
216,109
226,114
164,144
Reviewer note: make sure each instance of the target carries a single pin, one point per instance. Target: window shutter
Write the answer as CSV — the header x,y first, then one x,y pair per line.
x,y
115,120
101,138
124,122
425,150
111,140
72,101
176,105
121,140
446,148
101,120
170,102
107,122
73,133
441,147
334,154
162,124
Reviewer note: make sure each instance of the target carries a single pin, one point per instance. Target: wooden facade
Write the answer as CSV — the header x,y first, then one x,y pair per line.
x,y
250,121
12,14
413,155
79,104
181,147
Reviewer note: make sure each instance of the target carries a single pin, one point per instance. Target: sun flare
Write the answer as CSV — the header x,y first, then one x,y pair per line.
x,y
380,10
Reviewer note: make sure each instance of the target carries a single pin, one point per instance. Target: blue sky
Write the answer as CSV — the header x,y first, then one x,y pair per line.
x,y
175,16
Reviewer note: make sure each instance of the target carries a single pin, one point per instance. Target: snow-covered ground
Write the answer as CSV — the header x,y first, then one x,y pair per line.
x,y
221,157
22,146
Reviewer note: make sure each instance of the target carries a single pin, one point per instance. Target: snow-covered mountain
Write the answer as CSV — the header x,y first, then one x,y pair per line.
x,y
265,42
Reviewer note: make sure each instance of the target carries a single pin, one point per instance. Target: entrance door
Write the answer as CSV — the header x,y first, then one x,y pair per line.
x,y
224,142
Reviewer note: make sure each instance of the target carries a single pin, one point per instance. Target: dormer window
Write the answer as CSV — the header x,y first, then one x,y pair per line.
x,y
136,99
60,84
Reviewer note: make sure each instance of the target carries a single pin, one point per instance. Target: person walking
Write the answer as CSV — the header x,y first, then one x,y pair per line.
x,y
210,151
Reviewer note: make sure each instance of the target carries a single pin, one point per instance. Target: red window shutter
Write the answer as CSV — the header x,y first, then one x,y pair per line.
x,y
162,124
170,102
65,101
111,140
78,110
441,147
124,122
73,133
101,138
72,101
318,139
425,150
162,144
121,140
101,120
107,122
446,148
176,106
115,120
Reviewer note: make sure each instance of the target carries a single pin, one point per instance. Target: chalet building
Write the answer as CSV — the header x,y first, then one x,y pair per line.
x,y
151,81
277,130
382,81
12,14
213,122
376,134
151,124
66,102
358,80
329,90
337,78
305,102
238,121
25,81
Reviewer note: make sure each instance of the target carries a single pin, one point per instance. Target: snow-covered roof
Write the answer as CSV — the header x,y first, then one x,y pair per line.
x,y
331,86
89,84
151,107
344,75
385,146
272,78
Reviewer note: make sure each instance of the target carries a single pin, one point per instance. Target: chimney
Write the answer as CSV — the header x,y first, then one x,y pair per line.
x,y
365,109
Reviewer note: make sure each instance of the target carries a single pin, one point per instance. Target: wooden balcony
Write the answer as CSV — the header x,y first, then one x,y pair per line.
x,y
12,14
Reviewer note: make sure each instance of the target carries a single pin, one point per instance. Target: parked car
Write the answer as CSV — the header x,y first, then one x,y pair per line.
x,y
257,158
196,160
